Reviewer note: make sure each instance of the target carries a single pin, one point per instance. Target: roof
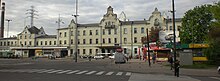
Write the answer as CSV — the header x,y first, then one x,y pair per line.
x,y
89,25
47,36
134,22
176,19
33,30
9,38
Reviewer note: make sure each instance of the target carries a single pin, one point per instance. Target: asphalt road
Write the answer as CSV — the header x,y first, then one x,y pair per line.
x,y
66,70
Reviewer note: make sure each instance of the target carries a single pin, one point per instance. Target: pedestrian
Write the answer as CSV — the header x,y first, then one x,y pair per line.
x,y
177,66
170,60
154,58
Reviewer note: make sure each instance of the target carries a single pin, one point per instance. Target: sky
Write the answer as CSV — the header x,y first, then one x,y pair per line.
x,y
89,11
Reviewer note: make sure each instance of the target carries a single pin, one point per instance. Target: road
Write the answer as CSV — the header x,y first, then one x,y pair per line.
x,y
68,70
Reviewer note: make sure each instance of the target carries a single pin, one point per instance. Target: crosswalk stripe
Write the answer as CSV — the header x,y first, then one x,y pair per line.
x,y
99,73
128,74
73,72
81,72
109,73
64,71
45,71
215,78
36,70
91,72
54,71
119,73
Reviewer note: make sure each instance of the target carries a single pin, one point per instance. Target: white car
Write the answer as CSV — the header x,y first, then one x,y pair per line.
x,y
218,69
99,57
111,57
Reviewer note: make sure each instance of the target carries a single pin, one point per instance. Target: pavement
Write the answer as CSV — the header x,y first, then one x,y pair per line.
x,y
141,71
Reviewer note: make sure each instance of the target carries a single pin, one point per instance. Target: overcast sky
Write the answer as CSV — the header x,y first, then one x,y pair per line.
x,y
90,11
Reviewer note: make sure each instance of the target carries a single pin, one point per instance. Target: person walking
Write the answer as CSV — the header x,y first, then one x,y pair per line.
x,y
170,60
177,66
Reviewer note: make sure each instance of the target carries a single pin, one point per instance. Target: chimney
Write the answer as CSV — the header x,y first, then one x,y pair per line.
x,y
2,20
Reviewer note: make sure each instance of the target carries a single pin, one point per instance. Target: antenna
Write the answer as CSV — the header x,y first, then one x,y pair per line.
x,y
32,13
59,21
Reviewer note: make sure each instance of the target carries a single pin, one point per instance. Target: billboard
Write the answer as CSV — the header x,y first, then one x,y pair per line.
x,y
166,36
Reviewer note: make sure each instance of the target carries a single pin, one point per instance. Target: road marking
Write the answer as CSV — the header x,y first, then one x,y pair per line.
x,y
36,70
215,78
91,72
109,73
73,72
128,74
99,73
45,71
119,73
81,72
64,71
54,71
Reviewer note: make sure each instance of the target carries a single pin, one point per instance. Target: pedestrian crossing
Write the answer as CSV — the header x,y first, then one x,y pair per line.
x,y
68,72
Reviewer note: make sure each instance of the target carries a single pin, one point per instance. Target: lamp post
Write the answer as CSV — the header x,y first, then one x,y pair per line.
x,y
76,32
174,38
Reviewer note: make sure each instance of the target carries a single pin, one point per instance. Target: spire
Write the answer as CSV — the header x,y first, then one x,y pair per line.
x,y
110,10
156,11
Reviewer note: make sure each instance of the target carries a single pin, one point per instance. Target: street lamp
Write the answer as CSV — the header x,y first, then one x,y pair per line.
x,y
8,26
76,32
174,39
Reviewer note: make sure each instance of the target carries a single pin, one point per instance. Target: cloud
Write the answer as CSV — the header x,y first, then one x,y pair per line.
x,y
90,11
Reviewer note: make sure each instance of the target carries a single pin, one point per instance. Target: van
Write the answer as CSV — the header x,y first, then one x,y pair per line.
x,y
120,58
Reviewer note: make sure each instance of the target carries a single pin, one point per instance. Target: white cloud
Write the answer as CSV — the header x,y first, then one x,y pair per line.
x,y
90,11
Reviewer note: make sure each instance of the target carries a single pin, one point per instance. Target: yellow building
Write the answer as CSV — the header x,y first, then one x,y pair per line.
x,y
93,38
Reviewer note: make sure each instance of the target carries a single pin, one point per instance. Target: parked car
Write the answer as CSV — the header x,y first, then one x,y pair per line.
x,y
111,57
99,57
218,69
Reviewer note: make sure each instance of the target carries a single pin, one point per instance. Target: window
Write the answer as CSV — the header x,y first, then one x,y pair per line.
x,y
64,41
109,40
60,34
84,51
96,32
135,39
103,41
45,42
20,37
142,30
78,41
90,32
30,43
115,40
8,43
1,44
96,41
90,41
135,30
84,41
71,41
54,42
71,33
11,42
103,31
90,51
171,28
25,43
37,43
96,51
78,33
84,32
125,40
41,42
125,31
115,31
78,51
60,41
109,31
25,37
135,50
64,34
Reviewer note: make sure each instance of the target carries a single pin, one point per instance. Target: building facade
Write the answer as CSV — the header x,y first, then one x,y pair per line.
x,y
93,38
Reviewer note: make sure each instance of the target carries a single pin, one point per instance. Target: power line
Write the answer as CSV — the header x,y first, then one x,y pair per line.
x,y
32,13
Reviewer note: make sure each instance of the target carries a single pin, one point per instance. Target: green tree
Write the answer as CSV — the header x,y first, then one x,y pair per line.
x,y
196,24
154,34
213,52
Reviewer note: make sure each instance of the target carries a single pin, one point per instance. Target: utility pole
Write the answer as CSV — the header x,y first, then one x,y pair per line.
x,y
132,39
76,32
32,13
59,21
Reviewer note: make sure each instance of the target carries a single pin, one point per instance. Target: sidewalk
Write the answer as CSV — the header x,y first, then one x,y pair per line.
x,y
140,66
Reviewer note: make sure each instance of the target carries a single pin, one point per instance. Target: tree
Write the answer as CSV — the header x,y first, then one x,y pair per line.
x,y
196,24
154,34
213,52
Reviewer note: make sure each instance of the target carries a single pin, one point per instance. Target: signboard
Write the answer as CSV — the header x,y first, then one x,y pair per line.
x,y
198,45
